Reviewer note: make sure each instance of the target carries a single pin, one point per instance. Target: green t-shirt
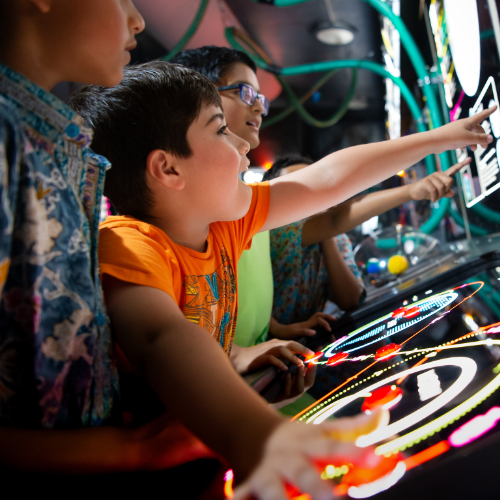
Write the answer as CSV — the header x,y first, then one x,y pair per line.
x,y
255,292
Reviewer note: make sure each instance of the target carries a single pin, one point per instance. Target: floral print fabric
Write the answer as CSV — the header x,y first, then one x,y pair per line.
x,y
301,283
56,364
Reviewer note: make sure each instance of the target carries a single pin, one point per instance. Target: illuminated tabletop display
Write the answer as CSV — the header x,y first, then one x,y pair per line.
x,y
438,390
432,387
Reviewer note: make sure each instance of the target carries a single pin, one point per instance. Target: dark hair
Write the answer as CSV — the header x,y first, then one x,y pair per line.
x,y
284,162
152,108
212,61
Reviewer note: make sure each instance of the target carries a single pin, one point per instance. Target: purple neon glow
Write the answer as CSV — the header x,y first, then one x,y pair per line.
x,y
475,428
454,111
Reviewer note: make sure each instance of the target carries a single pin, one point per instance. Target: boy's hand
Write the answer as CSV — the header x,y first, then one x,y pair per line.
x,y
464,132
305,328
247,359
296,385
435,186
292,448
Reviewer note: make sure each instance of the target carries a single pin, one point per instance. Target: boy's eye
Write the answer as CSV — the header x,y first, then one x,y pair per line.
x,y
223,129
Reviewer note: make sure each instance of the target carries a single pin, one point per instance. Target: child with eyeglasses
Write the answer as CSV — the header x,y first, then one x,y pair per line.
x,y
307,263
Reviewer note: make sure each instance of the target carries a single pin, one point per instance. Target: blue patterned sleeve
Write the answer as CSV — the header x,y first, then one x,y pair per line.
x,y
11,150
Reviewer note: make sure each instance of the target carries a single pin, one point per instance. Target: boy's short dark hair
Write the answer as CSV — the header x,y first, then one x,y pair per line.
x,y
284,162
212,61
152,108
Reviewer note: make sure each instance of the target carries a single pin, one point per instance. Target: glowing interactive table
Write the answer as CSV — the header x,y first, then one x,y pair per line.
x,y
432,357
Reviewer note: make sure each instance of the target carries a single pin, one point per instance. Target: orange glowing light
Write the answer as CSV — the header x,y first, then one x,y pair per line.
x,y
337,358
228,484
387,352
313,357
267,165
426,455
384,397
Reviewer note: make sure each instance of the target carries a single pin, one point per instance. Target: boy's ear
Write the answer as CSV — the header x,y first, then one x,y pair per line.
x,y
162,166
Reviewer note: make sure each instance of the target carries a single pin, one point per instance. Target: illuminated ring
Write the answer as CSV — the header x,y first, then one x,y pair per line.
x,y
443,300
468,367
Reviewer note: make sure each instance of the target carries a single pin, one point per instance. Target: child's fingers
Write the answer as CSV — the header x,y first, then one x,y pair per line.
x,y
298,348
480,117
479,138
438,188
268,359
322,322
299,381
285,353
301,473
287,389
456,168
263,484
350,429
310,376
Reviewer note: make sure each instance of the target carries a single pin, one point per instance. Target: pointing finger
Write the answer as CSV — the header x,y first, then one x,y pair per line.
x,y
479,117
456,168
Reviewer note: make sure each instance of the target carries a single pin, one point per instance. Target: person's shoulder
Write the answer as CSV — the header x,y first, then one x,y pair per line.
x,y
129,228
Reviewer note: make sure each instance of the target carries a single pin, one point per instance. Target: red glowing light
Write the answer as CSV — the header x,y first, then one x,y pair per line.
x,y
387,352
357,476
426,455
384,397
411,312
267,165
398,313
313,357
337,358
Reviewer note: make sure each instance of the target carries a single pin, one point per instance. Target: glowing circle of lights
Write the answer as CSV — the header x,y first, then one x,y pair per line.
x,y
468,367
462,22
379,330
382,484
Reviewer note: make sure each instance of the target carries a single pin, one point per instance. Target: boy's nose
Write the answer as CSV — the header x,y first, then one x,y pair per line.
x,y
136,21
244,147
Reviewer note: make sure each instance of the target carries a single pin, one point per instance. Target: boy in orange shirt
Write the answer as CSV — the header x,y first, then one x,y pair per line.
x,y
168,263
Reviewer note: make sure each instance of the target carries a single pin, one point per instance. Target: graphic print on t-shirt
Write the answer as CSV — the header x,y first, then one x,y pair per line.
x,y
210,300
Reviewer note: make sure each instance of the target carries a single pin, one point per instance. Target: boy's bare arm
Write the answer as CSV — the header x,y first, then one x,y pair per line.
x,y
190,373
341,175
351,213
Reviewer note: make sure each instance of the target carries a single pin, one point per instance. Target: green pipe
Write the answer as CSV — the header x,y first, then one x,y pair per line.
x,y
337,116
280,116
189,33
474,230
486,213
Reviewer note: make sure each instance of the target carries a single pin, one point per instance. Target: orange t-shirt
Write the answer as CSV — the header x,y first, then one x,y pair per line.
x,y
204,285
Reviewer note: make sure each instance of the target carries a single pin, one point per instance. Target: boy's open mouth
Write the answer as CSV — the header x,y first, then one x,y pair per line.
x,y
254,123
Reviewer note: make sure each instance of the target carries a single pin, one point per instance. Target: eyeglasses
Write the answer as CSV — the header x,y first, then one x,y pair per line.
x,y
249,95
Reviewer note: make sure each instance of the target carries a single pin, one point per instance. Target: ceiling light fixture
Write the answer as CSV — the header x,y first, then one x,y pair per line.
x,y
336,33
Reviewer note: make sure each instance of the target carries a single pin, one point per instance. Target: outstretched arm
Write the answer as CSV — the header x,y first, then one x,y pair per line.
x,y
351,213
341,175
194,377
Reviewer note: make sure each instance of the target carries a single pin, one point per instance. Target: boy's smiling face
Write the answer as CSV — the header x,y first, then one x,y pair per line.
x,y
242,119
212,171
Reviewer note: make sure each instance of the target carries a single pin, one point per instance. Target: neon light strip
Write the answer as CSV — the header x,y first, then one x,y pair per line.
x,y
382,484
424,304
443,421
354,377
475,428
426,455
469,369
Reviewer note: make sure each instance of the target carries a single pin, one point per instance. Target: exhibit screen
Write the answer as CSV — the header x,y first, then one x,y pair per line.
x,y
433,361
